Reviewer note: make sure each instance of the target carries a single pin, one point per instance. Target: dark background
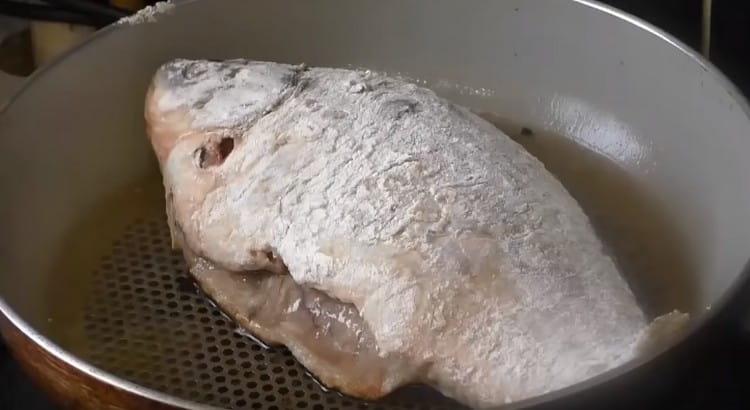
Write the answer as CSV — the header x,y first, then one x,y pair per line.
x,y
730,45
722,370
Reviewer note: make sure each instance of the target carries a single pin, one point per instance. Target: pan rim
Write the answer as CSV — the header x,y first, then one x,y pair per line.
x,y
720,306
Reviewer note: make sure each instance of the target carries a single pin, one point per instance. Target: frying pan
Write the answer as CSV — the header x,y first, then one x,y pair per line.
x,y
102,313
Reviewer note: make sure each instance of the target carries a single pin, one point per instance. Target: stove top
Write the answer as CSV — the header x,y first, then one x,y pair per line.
x,y
721,371
16,390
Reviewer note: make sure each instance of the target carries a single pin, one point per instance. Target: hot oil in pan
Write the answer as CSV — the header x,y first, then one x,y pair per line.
x,y
88,251
636,229
124,301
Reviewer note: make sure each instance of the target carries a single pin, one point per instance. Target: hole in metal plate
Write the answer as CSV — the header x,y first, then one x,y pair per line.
x,y
146,321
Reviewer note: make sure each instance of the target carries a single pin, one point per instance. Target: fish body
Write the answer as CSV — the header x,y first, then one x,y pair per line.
x,y
384,234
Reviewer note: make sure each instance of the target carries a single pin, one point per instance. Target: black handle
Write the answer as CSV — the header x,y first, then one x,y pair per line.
x,y
80,12
91,8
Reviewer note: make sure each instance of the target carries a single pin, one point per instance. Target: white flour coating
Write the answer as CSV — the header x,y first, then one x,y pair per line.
x,y
464,256
228,95
148,14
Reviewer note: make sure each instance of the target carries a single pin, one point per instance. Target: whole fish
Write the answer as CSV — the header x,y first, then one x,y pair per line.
x,y
385,235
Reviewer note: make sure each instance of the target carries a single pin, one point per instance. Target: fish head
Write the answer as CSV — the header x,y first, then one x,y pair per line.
x,y
200,97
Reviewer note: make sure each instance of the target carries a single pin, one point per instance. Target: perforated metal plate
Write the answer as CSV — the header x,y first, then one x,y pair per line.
x,y
147,322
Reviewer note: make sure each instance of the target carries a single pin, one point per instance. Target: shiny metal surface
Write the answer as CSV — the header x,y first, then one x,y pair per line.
x,y
605,79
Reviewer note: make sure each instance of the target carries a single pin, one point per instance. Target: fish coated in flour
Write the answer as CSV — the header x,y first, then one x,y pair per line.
x,y
383,234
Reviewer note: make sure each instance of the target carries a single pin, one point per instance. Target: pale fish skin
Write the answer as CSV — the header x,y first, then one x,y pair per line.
x,y
441,251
